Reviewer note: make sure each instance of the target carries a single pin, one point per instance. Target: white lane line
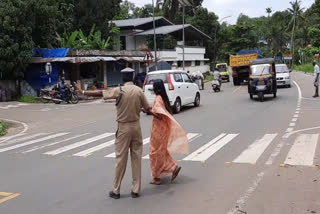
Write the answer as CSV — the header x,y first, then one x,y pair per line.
x,y
243,199
297,112
191,137
303,150
204,147
292,124
203,155
255,150
299,91
113,155
296,115
289,130
32,142
301,130
52,144
275,153
18,140
294,119
298,109
25,128
89,151
78,144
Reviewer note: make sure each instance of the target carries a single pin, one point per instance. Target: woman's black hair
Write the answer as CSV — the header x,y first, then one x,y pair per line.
x,y
159,89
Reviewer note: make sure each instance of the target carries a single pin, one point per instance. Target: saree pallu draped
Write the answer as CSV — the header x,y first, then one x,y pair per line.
x,y
167,137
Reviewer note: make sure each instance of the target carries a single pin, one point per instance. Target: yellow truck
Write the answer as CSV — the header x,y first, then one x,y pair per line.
x,y
240,65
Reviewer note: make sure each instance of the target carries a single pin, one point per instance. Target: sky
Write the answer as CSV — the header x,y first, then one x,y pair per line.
x,y
252,8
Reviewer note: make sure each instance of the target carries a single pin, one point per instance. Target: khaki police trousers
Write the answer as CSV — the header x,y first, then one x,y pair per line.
x,y
128,136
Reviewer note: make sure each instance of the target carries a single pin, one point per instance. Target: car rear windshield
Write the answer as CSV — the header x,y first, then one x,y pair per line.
x,y
282,69
222,68
153,77
260,69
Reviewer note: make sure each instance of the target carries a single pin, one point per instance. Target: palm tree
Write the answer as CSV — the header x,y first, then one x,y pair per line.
x,y
296,13
269,11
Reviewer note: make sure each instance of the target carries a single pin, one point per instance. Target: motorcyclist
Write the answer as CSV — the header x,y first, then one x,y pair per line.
x,y
217,76
63,90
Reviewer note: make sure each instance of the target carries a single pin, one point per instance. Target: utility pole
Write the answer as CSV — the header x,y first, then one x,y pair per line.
x,y
183,37
154,37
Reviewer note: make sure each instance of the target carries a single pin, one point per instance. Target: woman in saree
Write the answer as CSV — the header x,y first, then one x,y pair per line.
x,y
167,137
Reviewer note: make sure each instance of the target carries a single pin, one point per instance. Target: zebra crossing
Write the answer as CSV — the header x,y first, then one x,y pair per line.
x,y
302,152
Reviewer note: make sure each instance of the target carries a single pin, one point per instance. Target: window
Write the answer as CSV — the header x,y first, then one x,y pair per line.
x,y
187,63
154,77
186,78
198,63
177,77
180,64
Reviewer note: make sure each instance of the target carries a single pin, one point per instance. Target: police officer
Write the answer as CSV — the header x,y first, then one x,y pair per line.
x,y
130,99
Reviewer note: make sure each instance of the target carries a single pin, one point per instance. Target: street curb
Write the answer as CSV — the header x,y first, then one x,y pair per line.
x,y
25,128
306,73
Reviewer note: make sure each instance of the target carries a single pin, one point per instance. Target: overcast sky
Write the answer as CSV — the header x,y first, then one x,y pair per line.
x,y
233,8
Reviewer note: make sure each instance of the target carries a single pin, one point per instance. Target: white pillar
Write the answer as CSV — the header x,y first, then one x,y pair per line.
x,y
105,80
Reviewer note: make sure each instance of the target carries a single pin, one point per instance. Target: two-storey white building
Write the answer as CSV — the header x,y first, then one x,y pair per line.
x,y
136,34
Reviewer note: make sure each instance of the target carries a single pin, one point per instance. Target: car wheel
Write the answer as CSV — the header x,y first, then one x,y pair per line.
x,y
197,100
261,96
177,106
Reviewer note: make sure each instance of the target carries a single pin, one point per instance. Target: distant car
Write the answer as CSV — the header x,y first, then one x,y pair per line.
x,y
180,88
223,68
283,75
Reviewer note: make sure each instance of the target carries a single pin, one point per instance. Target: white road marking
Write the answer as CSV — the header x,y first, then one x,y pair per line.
x,y
52,144
243,199
292,124
296,115
89,151
299,91
13,106
113,155
21,139
297,112
303,150
25,128
210,148
191,137
32,142
255,150
298,109
275,153
78,144
294,119
289,130
301,130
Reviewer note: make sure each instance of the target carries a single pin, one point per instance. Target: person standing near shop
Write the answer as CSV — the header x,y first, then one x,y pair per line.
x,y
316,78
130,99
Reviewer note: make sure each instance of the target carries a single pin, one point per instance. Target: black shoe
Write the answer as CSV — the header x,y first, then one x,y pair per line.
x,y
114,195
315,96
135,195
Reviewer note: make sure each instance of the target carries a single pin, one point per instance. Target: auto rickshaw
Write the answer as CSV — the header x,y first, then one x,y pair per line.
x,y
223,69
262,79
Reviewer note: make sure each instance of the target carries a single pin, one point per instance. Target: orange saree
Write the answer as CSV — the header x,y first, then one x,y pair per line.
x,y
167,137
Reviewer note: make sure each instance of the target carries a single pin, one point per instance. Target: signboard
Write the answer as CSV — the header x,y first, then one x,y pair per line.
x,y
148,57
242,60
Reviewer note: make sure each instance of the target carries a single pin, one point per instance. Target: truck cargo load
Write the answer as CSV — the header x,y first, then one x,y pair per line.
x,y
242,60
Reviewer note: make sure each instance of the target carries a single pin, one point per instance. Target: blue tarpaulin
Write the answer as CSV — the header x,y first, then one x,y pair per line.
x,y
243,52
50,53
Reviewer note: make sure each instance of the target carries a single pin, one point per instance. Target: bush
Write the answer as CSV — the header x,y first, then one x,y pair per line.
x,y
305,68
3,128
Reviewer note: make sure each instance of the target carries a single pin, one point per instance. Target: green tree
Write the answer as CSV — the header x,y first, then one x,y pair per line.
x,y
269,11
296,12
98,12
15,37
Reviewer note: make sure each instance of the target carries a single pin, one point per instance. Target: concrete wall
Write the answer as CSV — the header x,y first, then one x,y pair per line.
x,y
8,90
130,43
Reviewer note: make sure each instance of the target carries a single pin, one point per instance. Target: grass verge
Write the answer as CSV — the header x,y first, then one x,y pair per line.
x,y
304,68
3,128
28,99
208,78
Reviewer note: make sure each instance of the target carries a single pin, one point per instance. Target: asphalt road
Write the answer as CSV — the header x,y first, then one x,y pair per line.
x,y
245,157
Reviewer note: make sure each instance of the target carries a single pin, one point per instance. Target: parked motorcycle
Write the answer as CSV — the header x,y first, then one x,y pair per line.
x,y
216,85
55,95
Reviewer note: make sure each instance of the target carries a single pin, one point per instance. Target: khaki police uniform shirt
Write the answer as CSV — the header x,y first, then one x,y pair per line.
x,y
132,100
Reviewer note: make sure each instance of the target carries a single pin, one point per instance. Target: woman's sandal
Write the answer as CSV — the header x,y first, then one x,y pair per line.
x,y
175,173
156,181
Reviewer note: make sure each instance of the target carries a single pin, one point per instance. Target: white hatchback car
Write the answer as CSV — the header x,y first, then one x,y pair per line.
x,y
180,88
283,75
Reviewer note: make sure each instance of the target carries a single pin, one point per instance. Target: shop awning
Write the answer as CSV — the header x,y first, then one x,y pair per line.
x,y
74,60
131,59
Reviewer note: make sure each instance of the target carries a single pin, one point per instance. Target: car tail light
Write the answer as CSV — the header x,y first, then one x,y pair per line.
x,y
170,84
